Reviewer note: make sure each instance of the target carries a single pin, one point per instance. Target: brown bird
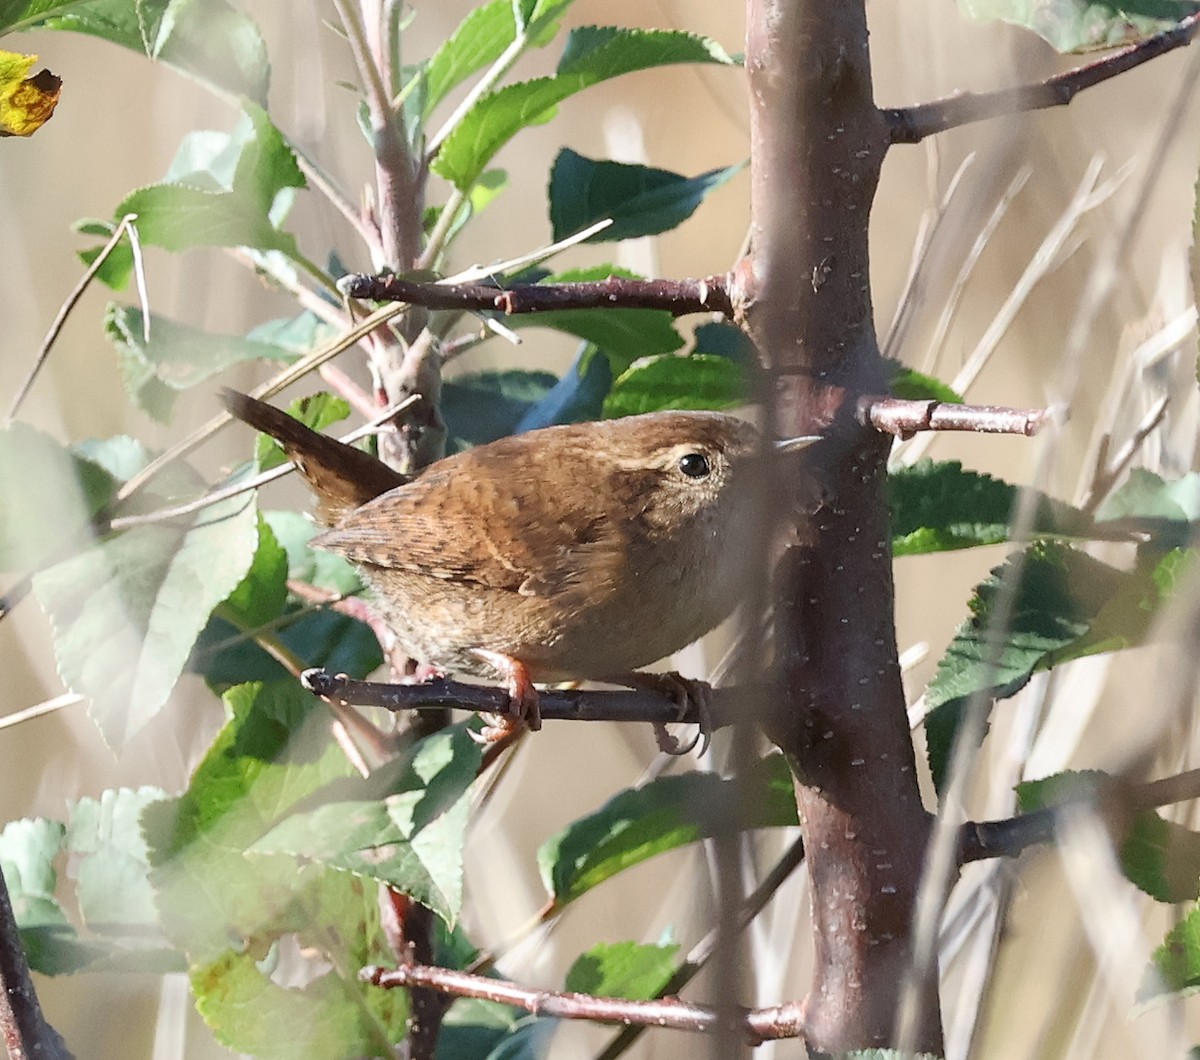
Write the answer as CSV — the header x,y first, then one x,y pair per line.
x,y
569,553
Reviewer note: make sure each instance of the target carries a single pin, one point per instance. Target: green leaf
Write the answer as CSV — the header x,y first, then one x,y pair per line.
x,y
1083,25
206,39
201,205
668,381
483,406
623,969
623,334
592,54
16,15
912,385
938,507
274,751
1067,605
1159,857
176,358
482,37
664,814
402,826
1175,965
262,594
576,397
721,339
298,335
126,612
640,200
60,492
317,411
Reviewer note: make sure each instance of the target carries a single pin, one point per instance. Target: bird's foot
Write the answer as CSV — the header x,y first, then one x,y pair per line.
x,y
524,710
685,692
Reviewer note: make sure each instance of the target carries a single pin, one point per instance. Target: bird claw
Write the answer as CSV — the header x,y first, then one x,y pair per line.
x,y
684,692
524,710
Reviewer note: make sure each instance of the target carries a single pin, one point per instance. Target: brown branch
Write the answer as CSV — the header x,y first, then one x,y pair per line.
x,y
700,954
756,1025
910,125
905,418
1007,838
677,297
722,707
23,1027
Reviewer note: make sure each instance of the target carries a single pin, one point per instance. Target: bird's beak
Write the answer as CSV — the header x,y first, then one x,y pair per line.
x,y
790,445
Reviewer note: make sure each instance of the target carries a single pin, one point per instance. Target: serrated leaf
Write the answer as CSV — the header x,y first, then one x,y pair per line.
x,y
1175,965
695,381
631,970
1067,605
26,103
126,612
623,334
403,826
482,406
640,200
60,491
316,411
591,55
206,39
205,207
939,507
666,813
274,751
262,594
176,357
18,15
1083,25
482,37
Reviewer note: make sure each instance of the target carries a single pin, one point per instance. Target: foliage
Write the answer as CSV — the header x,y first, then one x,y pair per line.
x,y
262,877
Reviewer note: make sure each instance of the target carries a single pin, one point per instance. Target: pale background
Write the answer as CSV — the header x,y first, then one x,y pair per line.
x,y
117,127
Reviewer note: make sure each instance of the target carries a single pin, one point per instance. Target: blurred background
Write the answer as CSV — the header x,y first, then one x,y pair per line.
x,y
1014,182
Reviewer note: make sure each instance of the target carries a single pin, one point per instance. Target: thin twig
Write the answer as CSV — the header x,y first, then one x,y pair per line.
x,y
910,125
757,1025
49,706
325,184
905,418
1108,472
678,297
1007,838
126,224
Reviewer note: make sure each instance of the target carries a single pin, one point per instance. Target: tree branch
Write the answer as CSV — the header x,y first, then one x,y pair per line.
x,y
677,297
1007,838
905,418
722,707
910,125
757,1025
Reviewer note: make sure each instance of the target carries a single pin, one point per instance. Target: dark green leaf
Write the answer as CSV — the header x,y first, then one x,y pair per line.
x,y
262,594
725,340
937,507
60,492
176,358
208,39
640,200
474,1028
696,381
16,15
591,55
664,814
623,969
127,611
322,569
576,397
316,411
484,406
912,385
1083,25
403,826
1059,590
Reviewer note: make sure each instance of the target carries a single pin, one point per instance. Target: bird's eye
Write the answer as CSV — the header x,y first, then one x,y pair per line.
x,y
694,465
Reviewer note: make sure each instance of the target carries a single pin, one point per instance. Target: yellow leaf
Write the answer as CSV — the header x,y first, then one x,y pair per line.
x,y
26,103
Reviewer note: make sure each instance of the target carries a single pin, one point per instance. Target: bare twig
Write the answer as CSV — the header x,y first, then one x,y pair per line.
x,y
1108,472
757,1025
910,125
1007,838
905,418
678,297
571,705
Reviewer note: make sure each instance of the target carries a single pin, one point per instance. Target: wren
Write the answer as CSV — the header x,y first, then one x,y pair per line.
x,y
575,552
